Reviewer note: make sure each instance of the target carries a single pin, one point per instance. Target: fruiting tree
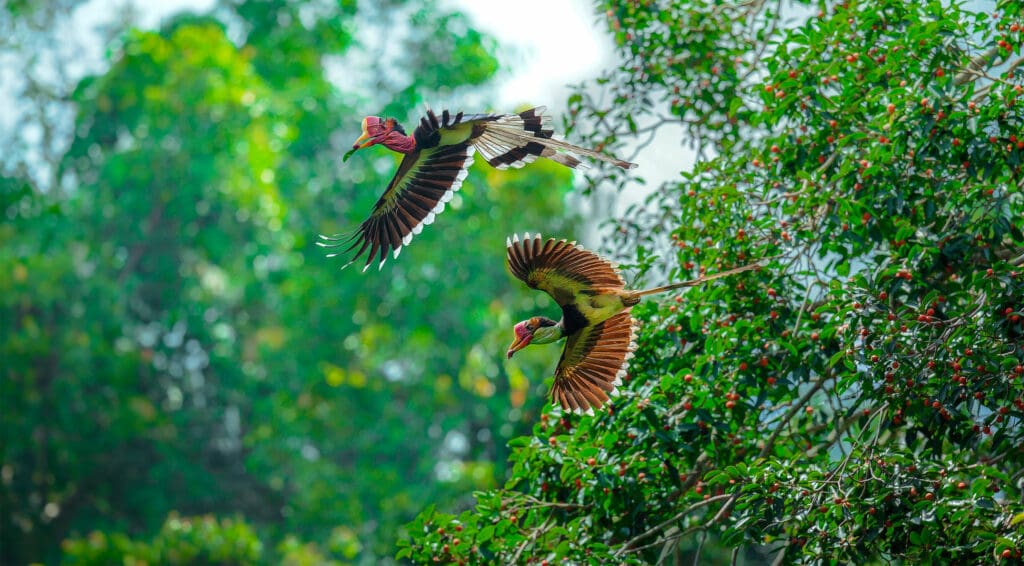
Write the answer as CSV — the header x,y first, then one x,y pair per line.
x,y
860,397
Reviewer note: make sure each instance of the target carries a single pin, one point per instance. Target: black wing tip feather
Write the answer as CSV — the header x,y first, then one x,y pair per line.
x,y
338,241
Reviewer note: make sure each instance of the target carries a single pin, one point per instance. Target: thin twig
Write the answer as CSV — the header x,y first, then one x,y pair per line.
x,y
657,528
804,399
700,547
528,542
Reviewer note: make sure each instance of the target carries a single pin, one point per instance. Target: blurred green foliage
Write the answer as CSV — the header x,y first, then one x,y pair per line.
x,y
201,540
860,399
176,351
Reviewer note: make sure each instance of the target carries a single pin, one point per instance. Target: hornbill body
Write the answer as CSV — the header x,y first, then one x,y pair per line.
x,y
596,322
437,158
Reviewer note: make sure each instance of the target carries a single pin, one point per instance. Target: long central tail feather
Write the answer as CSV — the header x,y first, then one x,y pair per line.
x,y
559,144
697,281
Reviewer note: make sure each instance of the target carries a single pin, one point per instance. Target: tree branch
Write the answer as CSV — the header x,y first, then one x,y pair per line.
x,y
975,66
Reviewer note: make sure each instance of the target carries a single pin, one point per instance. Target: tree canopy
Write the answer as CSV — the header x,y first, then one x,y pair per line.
x,y
859,399
176,350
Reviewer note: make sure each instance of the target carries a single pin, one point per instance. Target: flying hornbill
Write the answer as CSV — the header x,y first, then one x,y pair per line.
x,y
437,158
601,334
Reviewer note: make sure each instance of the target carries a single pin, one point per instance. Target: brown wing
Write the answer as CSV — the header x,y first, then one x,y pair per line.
x,y
426,180
560,268
593,363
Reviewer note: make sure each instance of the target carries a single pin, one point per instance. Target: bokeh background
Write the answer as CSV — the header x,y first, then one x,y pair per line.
x,y
182,367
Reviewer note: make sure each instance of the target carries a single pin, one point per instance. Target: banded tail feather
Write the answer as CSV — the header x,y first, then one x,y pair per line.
x,y
515,140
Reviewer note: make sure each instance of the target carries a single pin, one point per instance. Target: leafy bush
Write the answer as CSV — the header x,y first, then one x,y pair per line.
x,y
199,540
859,398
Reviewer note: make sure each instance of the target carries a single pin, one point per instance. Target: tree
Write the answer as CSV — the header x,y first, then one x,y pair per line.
x,y
176,350
860,397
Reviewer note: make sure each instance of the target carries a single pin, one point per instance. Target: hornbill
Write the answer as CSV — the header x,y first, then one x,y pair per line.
x,y
437,158
601,334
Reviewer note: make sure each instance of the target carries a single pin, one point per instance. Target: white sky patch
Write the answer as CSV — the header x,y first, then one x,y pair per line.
x,y
558,43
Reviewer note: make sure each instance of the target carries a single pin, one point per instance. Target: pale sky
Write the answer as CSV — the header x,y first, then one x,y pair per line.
x,y
565,47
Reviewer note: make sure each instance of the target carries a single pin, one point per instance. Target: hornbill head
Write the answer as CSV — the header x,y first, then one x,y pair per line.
x,y
385,131
537,330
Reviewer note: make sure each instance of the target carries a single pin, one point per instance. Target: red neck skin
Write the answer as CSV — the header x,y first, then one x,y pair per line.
x,y
395,141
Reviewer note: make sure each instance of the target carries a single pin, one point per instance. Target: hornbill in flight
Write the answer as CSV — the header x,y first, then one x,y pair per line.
x,y
437,158
601,334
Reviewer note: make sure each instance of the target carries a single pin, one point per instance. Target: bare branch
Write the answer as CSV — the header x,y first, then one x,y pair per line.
x,y
976,65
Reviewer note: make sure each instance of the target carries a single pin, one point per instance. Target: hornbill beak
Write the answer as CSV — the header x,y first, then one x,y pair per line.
x,y
367,139
523,337
364,140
